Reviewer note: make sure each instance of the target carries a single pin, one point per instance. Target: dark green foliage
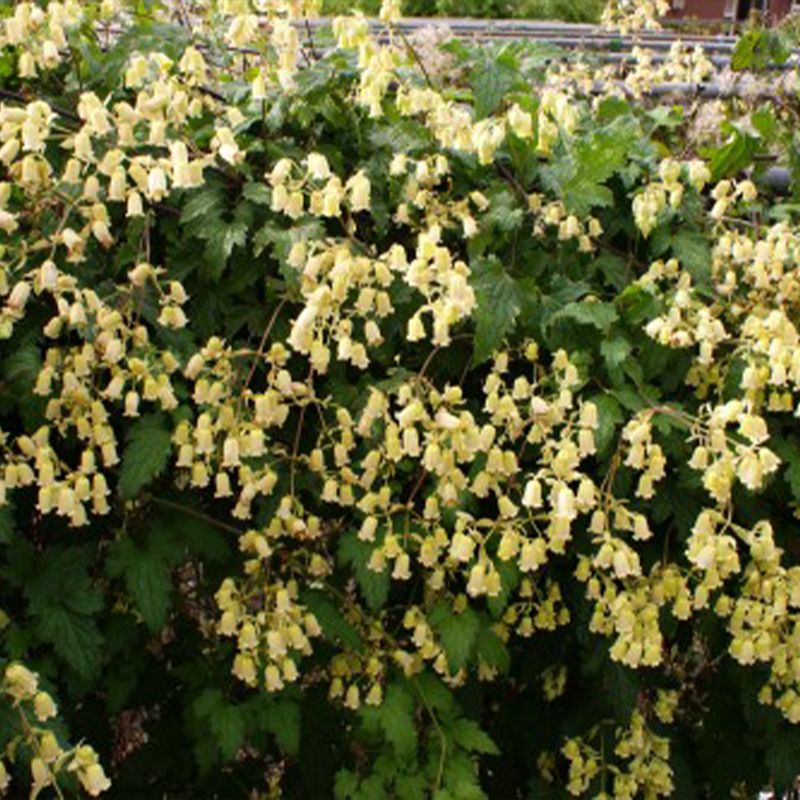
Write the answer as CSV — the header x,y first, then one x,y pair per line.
x,y
120,616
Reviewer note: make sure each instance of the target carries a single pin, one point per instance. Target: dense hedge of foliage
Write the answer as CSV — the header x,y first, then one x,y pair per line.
x,y
566,10
385,423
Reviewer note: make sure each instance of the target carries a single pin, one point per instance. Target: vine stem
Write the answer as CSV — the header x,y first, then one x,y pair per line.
x,y
442,737
296,448
263,343
32,736
21,98
411,49
436,350
161,501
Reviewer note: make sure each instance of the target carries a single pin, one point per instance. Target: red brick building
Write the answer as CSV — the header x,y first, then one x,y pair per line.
x,y
774,10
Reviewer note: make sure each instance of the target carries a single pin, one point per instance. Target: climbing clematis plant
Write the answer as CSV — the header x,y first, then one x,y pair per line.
x,y
371,431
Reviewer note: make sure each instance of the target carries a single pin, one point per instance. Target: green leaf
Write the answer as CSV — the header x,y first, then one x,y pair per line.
x,y
21,368
615,351
62,578
490,647
334,626
258,193
788,451
637,303
63,602
458,633
467,734
580,177
395,717
499,301
7,525
75,637
146,454
345,784
757,49
221,245
621,689
490,82
411,786
599,315
693,251
401,136
374,585
282,720
203,203
609,415
732,157
783,760
614,269
147,569
224,721
505,213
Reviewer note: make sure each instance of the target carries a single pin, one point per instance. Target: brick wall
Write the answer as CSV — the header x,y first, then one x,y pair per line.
x,y
721,9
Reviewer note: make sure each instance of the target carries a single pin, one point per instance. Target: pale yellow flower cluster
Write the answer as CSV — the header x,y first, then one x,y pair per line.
x,y
269,642
49,758
634,15
747,318
647,772
506,480
85,383
554,682
649,205
42,31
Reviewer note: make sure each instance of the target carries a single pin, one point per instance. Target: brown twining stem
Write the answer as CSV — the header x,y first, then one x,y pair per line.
x,y
171,504
21,98
260,352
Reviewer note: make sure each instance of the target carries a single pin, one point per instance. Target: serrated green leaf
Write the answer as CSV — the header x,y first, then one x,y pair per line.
x,y
579,178
374,586
228,725
147,569
21,368
221,245
614,269
62,578
505,213
468,734
788,451
401,136
615,351
258,193
345,785
621,689
412,786
609,415
75,637
395,717
282,720
490,82
334,626
636,303
225,722
146,454
599,315
733,156
7,524
693,251
490,648
499,301
783,760
203,203
208,702
457,632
